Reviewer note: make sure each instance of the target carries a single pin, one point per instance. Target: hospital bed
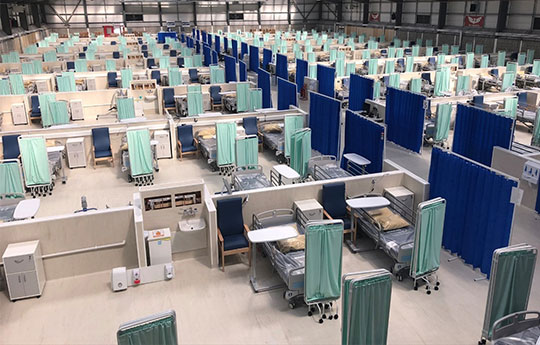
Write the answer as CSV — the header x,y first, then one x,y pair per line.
x,y
249,177
326,167
274,138
521,328
12,188
526,81
143,176
229,101
207,144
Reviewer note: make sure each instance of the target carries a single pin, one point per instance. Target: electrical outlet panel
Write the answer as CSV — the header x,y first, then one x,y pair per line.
x,y
531,172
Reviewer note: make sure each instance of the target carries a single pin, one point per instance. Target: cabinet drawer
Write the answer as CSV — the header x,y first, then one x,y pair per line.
x,y
22,263
313,214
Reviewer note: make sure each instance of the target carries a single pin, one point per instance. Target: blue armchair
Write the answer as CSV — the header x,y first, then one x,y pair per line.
x,y
70,65
113,43
150,63
35,112
82,55
185,142
172,53
156,75
111,80
168,98
193,75
145,53
215,97
232,232
180,61
116,55
335,207
251,128
102,145
427,77
10,146
166,47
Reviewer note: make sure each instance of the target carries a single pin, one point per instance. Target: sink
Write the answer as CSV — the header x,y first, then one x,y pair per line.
x,y
150,98
192,224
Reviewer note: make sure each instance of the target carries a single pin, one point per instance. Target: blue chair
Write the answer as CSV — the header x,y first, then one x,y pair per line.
x,y
335,207
494,72
215,97
172,53
478,101
165,46
70,65
113,43
84,48
168,98
102,145
431,61
180,61
82,55
35,112
185,142
111,79
145,53
144,47
251,128
426,77
386,80
116,55
150,63
156,74
232,232
401,62
10,146
193,75
522,103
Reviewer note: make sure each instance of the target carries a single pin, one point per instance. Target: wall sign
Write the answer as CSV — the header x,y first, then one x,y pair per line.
x,y
474,21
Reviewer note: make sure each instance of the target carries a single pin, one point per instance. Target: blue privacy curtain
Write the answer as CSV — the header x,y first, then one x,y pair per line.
x,y
235,49
214,57
253,58
204,38
301,73
263,82
243,49
217,44
360,89
325,76
267,58
242,70
478,210
206,55
477,131
287,94
230,68
366,138
404,118
225,44
324,115
281,66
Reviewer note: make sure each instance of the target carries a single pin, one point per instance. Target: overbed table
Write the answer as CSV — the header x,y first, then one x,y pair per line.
x,y
363,203
283,171
271,234
356,159
26,209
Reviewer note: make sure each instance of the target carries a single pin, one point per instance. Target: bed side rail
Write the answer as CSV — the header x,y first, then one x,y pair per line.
x,y
515,323
272,218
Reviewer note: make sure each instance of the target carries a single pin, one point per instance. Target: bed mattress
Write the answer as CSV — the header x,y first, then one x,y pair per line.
x,y
527,116
251,181
328,171
394,238
275,141
527,337
208,147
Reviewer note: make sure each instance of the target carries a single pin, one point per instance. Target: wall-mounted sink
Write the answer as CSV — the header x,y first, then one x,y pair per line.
x,y
192,224
150,98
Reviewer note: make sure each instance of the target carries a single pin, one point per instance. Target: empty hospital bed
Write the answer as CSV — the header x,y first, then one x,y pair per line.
x,y
274,138
249,177
326,167
139,157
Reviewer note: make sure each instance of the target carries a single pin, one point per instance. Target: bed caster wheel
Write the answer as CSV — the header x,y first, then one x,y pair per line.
x,y
436,288
482,342
321,320
336,317
330,317
326,306
50,193
292,305
63,182
309,313
415,288
400,278
324,316
428,292
438,283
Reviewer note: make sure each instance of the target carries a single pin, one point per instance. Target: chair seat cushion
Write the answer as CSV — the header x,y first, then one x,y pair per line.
x,y
189,148
170,105
346,222
103,153
234,242
35,114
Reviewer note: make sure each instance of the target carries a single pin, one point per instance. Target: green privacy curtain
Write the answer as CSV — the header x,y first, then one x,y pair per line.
x,y
17,84
429,43
415,50
429,51
5,88
406,44
535,140
340,67
522,57
442,81
188,62
399,52
512,272
49,56
469,60
366,54
175,76
536,68
140,152
485,61
445,49
428,237
323,261
81,65
59,112
225,141
110,65
389,66
242,97
440,59
126,76
409,64
501,58
530,56
444,116
292,123
126,108
454,50
300,151
31,49
463,83
455,61
333,55
366,307
45,101
350,68
373,66
27,68
510,106
35,161
468,47
312,71
217,75
479,49
255,99
507,81
511,67
164,62
10,180
194,103
247,151
416,85
391,52
38,66
393,80
66,82
376,90
197,61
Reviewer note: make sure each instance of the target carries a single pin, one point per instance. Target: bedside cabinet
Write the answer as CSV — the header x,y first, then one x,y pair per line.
x,y
75,153
24,270
163,148
307,211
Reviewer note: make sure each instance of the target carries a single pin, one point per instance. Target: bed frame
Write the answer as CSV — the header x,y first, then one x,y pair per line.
x,y
319,173
247,170
515,323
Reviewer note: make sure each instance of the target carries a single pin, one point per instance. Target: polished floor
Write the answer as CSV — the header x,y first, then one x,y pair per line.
x,y
213,307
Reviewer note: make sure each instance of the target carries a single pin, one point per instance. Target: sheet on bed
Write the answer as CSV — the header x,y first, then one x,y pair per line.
x,y
394,238
275,141
252,181
209,147
330,171
527,337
